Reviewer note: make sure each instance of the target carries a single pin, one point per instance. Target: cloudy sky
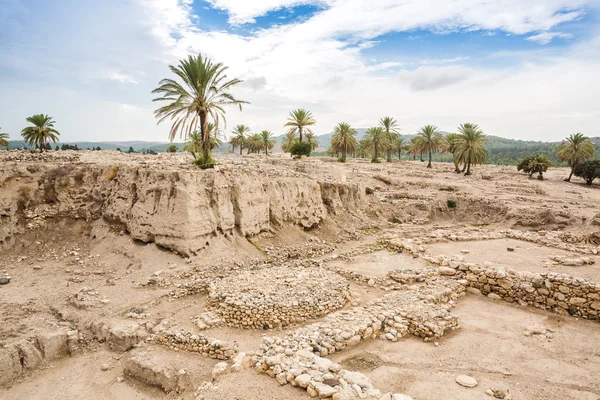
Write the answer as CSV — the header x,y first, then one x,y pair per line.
x,y
520,69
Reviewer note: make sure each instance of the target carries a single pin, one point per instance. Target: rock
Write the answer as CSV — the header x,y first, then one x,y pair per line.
x,y
446,271
303,380
357,378
219,369
324,391
4,280
104,367
466,381
510,249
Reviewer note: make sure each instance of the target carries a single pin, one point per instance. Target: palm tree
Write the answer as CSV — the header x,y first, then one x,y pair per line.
x,y
41,132
4,140
214,135
299,120
312,140
267,141
471,146
343,139
390,126
416,147
287,141
376,141
401,145
575,149
451,145
431,140
202,95
193,143
254,143
239,137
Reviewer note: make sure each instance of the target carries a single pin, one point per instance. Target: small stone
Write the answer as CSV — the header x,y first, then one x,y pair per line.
x,y
104,367
4,280
466,381
510,249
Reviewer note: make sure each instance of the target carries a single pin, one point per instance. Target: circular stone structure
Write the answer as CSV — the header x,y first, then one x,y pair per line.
x,y
277,297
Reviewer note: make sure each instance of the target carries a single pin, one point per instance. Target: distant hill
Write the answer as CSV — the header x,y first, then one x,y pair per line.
x,y
501,151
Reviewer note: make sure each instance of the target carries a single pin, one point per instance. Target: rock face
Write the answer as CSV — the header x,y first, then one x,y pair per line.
x,y
180,209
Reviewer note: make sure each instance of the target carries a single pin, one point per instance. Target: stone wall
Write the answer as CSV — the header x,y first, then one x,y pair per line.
x,y
195,343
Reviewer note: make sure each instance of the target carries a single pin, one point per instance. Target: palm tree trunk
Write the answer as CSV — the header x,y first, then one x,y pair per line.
x,y
300,133
571,174
429,165
468,165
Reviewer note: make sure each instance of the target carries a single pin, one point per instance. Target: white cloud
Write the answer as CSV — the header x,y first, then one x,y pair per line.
x,y
547,37
431,78
123,78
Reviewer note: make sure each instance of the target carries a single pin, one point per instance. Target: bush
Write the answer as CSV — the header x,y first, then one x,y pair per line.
x,y
538,163
172,148
451,203
588,170
300,149
341,159
369,191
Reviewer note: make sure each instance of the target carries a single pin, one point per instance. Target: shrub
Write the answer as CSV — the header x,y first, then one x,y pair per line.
x,y
588,170
172,148
369,191
451,203
299,149
537,163
341,159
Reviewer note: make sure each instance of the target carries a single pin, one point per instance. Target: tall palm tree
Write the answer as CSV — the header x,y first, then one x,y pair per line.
x,y
343,139
254,143
267,141
239,137
377,141
471,146
431,140
203,93
287,141
312,140
451,145
4,140
41,132
299,120
390,126
575,149
400,145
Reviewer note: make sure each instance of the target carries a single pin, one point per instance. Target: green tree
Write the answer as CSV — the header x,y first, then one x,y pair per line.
x,y
203,93
450,145
312,140
254,143
214,135
344,139
4,140
574,150
471,146
194,144
376,142
588,170
300,149
400,145
239,137
299,120
172,148
390,126
41,132
537,163
131,150
431,140
416,147
287,141
267,141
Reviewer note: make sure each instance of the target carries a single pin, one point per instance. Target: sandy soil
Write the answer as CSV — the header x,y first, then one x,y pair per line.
x,y
51,264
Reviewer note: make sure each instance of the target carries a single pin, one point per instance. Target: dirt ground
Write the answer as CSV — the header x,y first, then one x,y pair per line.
x,y
65,276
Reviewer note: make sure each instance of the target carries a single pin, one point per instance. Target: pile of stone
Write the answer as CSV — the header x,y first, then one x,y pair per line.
x,y
277,297
208,319
573,261
195,343
298,358
406,276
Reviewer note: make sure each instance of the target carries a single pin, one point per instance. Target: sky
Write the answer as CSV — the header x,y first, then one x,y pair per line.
x,y
521,69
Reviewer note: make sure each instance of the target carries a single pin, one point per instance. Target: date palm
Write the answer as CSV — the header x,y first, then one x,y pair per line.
x,y
574,150
4,140
416,147
287,141
201,94
312,140
344,139
377,142
193,144
471,146
401,145
299,120
239,137
451,145
215,135
431,140
267,141
254,143
41,132
390,126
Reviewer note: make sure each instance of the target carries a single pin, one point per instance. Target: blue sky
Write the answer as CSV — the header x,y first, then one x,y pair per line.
x,y
519,70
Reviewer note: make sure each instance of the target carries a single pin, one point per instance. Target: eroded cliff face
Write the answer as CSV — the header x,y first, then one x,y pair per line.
x,y
177,209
